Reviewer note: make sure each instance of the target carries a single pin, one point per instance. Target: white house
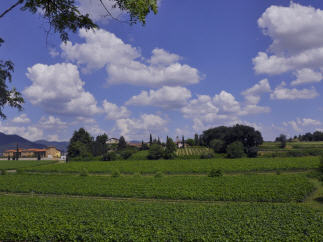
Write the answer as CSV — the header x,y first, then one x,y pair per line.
x,y
112,141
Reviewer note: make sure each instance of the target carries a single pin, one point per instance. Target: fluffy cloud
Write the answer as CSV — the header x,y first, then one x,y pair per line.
x,y
252,95
222,109
124,63
165,97
52,123
21,119
58,89
143,126
305,76
114,112
282,92
298,125
296,32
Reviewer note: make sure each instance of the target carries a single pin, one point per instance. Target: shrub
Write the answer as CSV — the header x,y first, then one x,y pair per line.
x,y
159,174
235,150
137,174
278,172
208,155
252,152
116,173
110,156
84,172
3,172
155,152
217,145
215,173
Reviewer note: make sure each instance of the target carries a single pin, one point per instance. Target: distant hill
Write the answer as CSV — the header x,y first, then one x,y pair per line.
x,y
59,145
11,141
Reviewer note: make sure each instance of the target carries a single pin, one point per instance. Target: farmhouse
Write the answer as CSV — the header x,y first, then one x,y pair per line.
x,y
112,141
50,152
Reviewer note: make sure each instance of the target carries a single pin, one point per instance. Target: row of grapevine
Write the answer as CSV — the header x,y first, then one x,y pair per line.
x,y
270,188
184,166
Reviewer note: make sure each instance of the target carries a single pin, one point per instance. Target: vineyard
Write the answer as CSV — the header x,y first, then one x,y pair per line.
x,y
64,219
166,200
16,164
269,188
184,166
192,151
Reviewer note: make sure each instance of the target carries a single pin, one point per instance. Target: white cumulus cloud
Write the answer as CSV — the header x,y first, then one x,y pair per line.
x,y
125,64
165,97
58,89
114,112
282,92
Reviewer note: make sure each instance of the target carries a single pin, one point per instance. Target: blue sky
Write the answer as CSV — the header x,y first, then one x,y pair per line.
x,y
191,67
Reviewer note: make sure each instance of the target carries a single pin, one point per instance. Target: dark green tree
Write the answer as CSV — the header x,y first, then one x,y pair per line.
x,y
150,139
170,149
80,144
190,142
183,142
282,139
62,16
155,152
235,150
217,145
122,143
99,146
196,140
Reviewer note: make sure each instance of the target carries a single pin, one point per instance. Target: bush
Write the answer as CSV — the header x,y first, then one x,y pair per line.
x,y
278,172
235,150
110,156
155,152
217,145
215,173
252,152
3,172
208,155
125,154
84,172
159,174
116,173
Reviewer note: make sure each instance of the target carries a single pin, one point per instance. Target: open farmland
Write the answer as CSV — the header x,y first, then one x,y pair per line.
x,y
64,219
185,166
270,188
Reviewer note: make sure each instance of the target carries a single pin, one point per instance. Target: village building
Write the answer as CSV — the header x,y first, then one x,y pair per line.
x,y
112,141
50,152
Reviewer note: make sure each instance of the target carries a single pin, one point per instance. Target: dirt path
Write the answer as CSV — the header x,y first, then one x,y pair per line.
x,y
315,200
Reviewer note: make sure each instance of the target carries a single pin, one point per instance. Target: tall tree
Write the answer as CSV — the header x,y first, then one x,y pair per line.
x,y
170,149
196,139
62,16
99,147
122,143
150,139
80,144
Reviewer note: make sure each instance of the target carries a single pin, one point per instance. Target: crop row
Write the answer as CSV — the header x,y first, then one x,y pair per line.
x,y
185,166
191,151
62,219
269,188
16,164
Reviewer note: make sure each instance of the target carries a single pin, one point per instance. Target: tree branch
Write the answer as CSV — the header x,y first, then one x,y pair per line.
x,y
12,7
109,13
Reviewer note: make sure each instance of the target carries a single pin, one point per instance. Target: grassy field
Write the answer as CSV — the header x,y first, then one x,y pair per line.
x,y
61,219
185,166
270,188
17,164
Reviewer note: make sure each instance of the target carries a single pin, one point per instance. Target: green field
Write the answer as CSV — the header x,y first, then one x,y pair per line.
x,y
185,166
61,219
192,151
17,164
184,205
270,188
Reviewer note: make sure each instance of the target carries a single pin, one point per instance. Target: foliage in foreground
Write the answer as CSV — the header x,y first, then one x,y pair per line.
x,y
270,188
64,219
185,166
